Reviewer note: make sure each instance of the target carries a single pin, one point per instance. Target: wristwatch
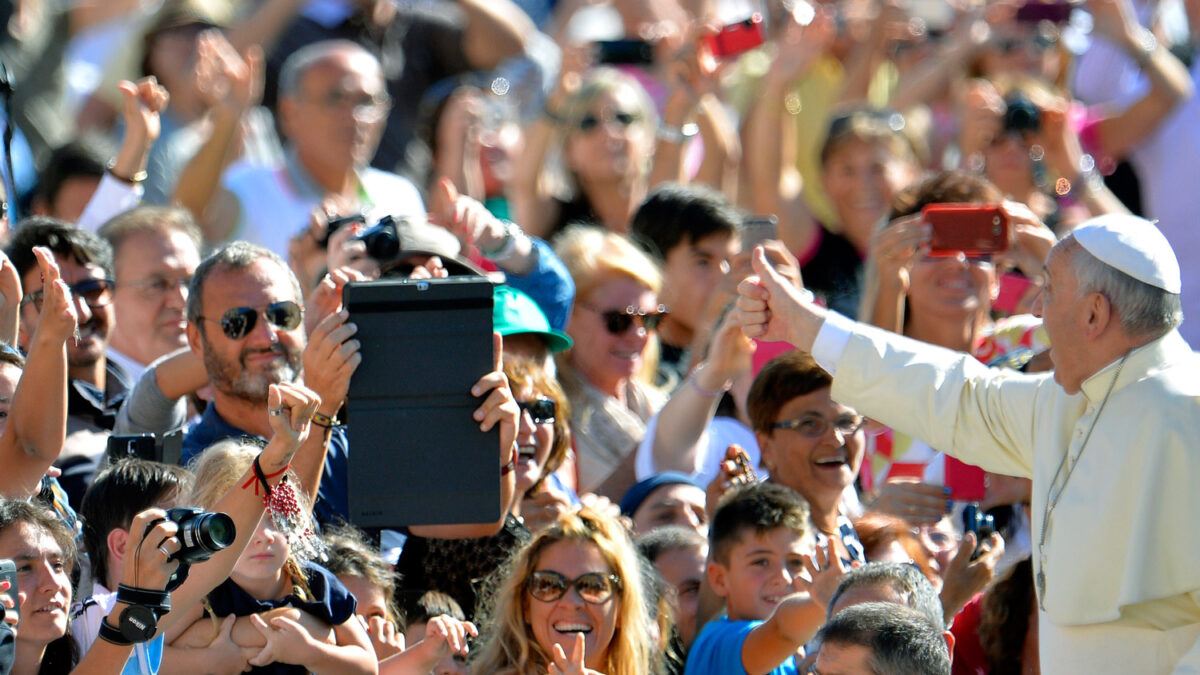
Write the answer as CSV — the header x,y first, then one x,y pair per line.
x,y
680,134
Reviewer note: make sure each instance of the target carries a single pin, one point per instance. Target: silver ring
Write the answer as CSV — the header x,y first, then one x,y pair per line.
x,y
164,551
275,411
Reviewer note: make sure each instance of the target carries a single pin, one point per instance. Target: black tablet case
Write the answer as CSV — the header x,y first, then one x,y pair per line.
x,y
417,456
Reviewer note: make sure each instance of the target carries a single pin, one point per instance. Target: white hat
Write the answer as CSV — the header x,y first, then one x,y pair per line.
x,y
1134,246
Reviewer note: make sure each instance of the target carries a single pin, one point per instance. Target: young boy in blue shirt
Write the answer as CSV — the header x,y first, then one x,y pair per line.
x,y
759,538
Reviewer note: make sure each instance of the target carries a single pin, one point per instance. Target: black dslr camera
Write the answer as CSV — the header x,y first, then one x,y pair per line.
x,y
201,534
1021,115
381,239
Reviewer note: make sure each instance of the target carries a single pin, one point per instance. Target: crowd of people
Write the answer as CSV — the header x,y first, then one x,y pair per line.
x,y
753,413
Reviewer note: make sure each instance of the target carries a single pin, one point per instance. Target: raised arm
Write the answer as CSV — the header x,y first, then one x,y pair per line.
x,y
773,185
495,31
37,424
1170,82
244,501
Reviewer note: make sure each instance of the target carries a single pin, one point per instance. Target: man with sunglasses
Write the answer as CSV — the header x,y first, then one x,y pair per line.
x,y
1108,441
96,387
246,321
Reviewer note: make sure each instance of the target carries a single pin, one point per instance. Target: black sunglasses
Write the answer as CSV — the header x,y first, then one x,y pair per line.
x,y
541,410
617,321
595,588
590,121
95,292
237,323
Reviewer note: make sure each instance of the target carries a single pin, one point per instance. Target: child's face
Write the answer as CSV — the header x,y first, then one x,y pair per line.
x,y
264,556
759,573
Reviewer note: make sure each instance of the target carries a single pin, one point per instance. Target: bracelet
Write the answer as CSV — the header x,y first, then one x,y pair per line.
x,y
135,179
678,134
325,420
260,478
507,245
1147,44
707,393
112,634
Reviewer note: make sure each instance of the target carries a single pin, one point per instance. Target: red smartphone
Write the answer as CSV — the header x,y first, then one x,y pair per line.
x,y
973,229
967,483
1054,11
1013,287
737,38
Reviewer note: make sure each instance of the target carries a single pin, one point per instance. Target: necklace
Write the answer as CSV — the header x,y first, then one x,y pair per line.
x,y
1052,497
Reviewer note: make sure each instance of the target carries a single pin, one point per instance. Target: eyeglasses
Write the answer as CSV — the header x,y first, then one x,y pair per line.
x,y
595,588
815,426
237,323
541,410
95,292
157,286
617,321
364,105
625,119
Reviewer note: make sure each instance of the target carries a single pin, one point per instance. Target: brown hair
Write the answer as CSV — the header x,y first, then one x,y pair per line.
x,y
524,372
785,377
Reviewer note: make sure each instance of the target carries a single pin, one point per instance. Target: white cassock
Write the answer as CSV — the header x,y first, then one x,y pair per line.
x,y
1122,554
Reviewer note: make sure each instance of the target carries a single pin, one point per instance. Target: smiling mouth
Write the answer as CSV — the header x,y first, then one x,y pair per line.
x,y
572,628
527,453
835,461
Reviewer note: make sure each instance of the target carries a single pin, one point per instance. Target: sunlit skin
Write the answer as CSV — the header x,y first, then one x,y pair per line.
x,y
1064,318
85,355
843,659
605,360
44,582
610,152
534,443
690,273
371,600
151,323
9,375
759,572
861,179
259,570
560,621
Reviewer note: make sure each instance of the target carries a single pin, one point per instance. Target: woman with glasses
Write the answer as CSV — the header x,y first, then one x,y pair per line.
x,y
810,444
607,373
577,591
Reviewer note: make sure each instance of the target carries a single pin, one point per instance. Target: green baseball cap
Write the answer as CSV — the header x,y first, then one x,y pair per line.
x,y
514,312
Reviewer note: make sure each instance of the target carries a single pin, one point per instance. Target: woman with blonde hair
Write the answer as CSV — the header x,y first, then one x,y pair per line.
x,y
573,597
607,373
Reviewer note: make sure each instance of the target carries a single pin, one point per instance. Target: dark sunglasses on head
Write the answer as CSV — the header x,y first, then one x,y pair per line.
x,y
541,410
237,323
550,586
617,321
590,121
95,292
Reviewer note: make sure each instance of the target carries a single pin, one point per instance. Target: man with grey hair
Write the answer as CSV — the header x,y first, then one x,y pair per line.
x,y
1108,439
333,104
881,638
898,583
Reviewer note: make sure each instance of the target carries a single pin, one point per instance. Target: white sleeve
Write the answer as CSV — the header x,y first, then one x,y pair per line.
x,y
831,341
111,197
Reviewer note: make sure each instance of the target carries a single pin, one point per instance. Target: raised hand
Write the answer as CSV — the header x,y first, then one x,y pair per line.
x,y
290,408
499,407
224,77
326,298
385,639
561,664
967,573
465,218
733,471
331,357
823,572
59,317
446,635
918,503
770,308
142,105
148,554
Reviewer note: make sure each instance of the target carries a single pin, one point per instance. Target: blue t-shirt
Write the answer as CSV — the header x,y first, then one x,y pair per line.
x,y
718,650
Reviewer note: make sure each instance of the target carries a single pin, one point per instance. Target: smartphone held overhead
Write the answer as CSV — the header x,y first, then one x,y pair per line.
x,y
737,38
972,229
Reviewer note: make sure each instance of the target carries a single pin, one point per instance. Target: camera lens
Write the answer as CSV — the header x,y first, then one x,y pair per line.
x,y
204,535
1022,115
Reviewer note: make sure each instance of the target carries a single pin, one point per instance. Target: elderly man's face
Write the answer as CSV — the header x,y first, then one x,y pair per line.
x,y
152,270
336,117
1064,315
268,354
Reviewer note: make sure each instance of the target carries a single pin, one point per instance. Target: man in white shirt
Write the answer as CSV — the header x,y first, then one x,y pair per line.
x,y
1108,441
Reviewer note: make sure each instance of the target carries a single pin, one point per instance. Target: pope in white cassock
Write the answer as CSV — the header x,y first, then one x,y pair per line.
x,y
1111,440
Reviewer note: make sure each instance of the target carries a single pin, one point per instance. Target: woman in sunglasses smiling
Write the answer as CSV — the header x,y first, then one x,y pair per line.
x,y
607,372
575,589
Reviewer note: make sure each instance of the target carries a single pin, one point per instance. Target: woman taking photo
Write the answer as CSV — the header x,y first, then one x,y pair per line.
x,y
571,598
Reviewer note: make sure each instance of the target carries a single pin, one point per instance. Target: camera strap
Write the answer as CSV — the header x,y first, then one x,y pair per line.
x,y
139,621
